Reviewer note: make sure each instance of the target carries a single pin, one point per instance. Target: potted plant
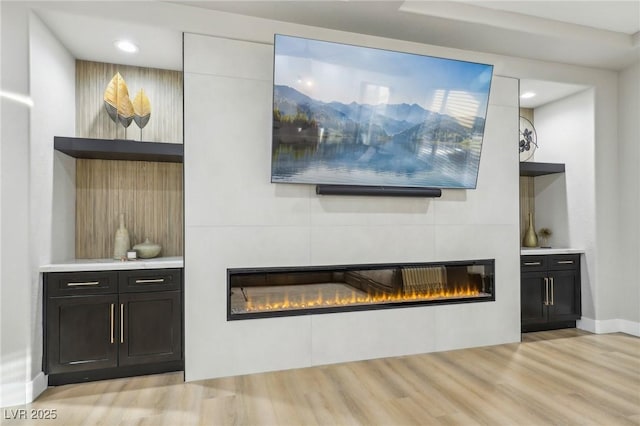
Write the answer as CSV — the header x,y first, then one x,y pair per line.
x,y
545,234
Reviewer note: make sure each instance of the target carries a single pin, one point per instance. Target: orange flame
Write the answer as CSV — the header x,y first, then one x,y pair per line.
x,y
356,299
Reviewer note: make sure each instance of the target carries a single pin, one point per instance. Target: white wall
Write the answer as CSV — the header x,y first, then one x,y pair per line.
x,y
52,173
52,208
15,289
33,63
565,203
234,217
626,303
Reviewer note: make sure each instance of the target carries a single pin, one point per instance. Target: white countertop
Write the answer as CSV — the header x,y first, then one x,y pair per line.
x,y
553,250
77,265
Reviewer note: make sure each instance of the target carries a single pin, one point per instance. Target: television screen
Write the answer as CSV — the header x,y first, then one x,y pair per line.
x,y
351,115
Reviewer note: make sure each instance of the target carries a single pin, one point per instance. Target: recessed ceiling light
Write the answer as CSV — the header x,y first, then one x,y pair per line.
x,y
527,95
126,46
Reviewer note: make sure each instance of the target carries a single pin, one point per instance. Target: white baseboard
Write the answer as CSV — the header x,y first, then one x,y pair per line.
x,y
23,393
609,326
37,386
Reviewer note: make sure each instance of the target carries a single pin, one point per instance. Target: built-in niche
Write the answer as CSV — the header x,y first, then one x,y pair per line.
x,y
148,193
530,173
558,186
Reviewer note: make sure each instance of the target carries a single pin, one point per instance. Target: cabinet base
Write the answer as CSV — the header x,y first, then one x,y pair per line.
x,y
547,326
114,373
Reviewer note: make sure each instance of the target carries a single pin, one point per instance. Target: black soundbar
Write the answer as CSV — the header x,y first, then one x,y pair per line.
x,y
390,191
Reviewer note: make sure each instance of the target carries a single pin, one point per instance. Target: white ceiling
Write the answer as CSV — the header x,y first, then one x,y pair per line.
x,y
560,31
618,16
601,34
91,38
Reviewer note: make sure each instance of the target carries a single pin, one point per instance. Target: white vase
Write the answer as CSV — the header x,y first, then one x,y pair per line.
x,y
122,242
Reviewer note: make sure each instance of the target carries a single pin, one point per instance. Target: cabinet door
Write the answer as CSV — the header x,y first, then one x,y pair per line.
x,y
81,333
151,328
532,298
565,291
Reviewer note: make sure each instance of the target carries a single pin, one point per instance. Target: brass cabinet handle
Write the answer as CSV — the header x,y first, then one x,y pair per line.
x,y
83,284
532,263
112,322
552,290
155,280
122,323
565,262
546,291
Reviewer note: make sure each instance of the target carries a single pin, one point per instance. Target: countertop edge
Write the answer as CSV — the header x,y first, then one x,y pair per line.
x,y
83,265
543,251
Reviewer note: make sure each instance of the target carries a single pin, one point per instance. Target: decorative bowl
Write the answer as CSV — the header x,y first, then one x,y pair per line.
x,y
147,250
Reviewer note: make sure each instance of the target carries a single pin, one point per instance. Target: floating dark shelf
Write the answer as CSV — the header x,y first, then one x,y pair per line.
x,y
539,169
118,149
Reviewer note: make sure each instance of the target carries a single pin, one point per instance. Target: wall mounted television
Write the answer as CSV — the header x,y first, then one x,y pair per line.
x,y
352,115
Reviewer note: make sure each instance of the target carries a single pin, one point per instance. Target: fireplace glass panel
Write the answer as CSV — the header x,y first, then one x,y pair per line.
x,y
260,292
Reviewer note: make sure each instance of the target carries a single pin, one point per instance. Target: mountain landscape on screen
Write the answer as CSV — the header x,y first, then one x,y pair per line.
x,y
368,124
333,124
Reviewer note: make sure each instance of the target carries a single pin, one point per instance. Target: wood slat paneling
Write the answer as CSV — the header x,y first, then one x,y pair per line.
x,y
148,193
162,87
527,194
527,113
527,203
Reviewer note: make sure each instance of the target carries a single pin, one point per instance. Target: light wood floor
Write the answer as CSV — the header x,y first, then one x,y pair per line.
x,y
562,377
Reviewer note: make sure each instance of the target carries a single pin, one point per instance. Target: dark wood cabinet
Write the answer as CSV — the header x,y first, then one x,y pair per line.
x,y
150,327
81,333
532,292
550,291
108,324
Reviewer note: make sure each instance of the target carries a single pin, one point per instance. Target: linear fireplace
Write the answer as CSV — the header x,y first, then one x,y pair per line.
x,y
285,291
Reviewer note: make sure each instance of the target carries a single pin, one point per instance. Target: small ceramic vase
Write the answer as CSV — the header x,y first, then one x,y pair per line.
x,y
147,250
122,242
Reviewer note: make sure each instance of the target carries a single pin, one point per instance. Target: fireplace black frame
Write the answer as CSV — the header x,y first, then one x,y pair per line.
x,y
490,276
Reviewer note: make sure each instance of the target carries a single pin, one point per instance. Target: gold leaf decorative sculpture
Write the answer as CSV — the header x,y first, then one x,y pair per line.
x,y
117,102
125,109
141,109
111,97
